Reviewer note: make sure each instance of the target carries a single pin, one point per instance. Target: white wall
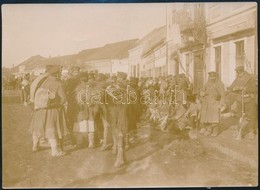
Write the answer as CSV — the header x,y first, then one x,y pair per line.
x,y
120,65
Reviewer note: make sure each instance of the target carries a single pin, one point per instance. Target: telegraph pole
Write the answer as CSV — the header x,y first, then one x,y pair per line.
x,y
167,33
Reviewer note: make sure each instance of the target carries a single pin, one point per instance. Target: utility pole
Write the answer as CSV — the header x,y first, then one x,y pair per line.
x,y
167,33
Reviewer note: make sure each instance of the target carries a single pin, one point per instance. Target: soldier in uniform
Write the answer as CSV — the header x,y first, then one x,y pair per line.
x,y
50,122
212,100
101,124
70,86
246,82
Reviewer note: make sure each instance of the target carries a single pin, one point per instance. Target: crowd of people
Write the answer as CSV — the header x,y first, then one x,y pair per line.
x,y
86,106
10,82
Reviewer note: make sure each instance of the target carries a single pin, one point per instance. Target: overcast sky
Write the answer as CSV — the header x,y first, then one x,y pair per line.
x,y
52,30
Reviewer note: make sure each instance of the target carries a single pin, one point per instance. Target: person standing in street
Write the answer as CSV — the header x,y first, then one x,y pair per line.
x,y
25,87
248,84
212,101
70,87
48,119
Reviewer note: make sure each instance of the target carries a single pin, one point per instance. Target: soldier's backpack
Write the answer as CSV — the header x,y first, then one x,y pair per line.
x,y
43,98
40,96
36,84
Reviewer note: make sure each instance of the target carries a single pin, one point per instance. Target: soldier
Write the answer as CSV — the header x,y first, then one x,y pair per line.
x,y
25,89
84,126
48,119
213,99
246,82
71,85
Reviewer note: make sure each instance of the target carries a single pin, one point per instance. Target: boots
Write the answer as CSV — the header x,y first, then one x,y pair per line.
x,y
126,142
91,140
208,131
214,132
36,140
55,151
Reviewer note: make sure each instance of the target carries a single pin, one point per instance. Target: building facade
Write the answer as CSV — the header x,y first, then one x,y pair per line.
x,y
232,37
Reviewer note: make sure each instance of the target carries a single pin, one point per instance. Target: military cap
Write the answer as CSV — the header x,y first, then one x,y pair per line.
x,y
212,74
122,75
240,68
53,69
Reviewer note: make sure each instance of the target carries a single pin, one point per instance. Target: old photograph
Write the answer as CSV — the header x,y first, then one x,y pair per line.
x,y
130,95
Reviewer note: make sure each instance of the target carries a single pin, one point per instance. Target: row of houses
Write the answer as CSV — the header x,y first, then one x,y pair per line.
x,y
197,38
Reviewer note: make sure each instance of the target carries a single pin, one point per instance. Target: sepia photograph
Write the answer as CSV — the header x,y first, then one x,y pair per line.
x,y
105,95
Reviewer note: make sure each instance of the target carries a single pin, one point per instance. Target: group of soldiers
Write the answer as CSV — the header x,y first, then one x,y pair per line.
x,y
11,83
88,105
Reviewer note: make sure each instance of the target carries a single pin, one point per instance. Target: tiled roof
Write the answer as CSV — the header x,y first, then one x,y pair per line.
x,y
153,39
117,50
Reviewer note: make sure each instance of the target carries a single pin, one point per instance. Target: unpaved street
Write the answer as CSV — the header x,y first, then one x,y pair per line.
x,y
155,159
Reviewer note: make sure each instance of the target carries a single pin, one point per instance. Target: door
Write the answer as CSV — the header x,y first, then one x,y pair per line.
x,y
198,72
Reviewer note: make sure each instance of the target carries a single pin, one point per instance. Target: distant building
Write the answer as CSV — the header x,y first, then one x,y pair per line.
x,y
108,59
147,58
187,55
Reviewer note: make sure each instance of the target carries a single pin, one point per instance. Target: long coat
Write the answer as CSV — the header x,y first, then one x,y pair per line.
x,y
72,109
51,122
213,97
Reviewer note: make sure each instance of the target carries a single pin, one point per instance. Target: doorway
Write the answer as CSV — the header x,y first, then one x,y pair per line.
x,y
198,72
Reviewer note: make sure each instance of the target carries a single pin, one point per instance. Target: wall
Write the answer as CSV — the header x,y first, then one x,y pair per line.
x,y
227,24
135,59
120,65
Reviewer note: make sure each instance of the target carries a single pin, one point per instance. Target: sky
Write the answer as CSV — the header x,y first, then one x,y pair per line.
x,y
55,30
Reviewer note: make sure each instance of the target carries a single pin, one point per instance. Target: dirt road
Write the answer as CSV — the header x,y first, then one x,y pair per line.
x,y
155,159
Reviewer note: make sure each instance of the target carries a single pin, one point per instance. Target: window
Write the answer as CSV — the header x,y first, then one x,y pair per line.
x,y
218,60
240,53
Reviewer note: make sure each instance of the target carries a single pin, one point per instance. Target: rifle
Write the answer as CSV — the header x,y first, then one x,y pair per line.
x,y
242,120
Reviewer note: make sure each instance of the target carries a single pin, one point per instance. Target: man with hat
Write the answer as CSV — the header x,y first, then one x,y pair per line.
x,y
70,85
83,127
246,83
49,120
212,100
